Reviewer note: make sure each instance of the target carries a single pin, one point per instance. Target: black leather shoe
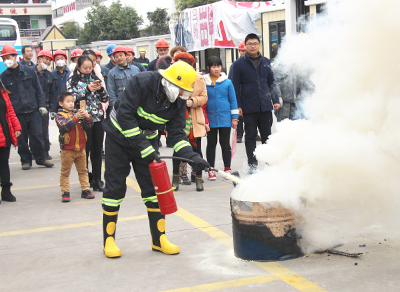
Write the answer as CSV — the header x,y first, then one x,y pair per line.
x,y
98,185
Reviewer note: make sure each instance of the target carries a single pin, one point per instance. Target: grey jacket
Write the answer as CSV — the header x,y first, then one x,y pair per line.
x,y
117,79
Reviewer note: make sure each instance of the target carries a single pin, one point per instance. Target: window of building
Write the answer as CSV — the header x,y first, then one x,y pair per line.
x,y
277,33
34,23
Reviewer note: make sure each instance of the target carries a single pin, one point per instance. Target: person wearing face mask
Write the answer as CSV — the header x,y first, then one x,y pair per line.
x,y
46,82
60,76
150,98
29,104
162,48
84,85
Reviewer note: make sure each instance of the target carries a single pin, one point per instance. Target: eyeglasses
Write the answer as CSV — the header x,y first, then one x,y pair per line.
x,y
252,44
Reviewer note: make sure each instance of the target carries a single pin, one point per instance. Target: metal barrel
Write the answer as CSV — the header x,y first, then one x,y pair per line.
x,y
264,231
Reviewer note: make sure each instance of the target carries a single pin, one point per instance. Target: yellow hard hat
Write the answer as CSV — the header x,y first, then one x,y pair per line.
x,y
180,74
142,50
274,44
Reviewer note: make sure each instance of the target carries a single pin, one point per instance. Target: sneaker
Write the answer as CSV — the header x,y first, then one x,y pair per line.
x,y
87,194
48,157
46,163
65,197
184,180
212,175
252,169
228,170
26,166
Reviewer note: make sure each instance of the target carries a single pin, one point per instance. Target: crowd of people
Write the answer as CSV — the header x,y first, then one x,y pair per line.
x,y
133,101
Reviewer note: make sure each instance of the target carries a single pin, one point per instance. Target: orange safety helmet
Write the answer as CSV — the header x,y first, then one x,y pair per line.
x,y
242,46
76,53
162,43
98,54
45,53
8,50
130,50
119,49
60,52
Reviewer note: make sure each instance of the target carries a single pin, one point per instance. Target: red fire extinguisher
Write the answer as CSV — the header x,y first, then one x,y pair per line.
x,y
163,188
162,185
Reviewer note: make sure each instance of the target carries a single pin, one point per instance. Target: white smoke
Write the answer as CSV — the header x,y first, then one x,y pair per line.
x,y
348,153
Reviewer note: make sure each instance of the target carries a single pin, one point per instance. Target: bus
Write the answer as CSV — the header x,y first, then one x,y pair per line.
x,y
9,35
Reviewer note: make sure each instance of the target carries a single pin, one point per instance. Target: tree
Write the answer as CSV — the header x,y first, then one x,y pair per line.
x,y
71,30
110,23
159,20
183,4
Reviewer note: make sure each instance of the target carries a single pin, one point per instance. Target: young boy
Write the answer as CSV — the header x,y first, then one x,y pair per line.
x,y
72,142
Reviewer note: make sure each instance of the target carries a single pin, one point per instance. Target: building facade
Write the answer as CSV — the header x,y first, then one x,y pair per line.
x,y
32,18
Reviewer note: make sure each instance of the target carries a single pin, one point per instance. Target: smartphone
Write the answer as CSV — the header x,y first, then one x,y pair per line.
x,y
97,82
82,105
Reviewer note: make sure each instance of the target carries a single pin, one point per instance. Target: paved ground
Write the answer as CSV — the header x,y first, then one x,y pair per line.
x,y
46,245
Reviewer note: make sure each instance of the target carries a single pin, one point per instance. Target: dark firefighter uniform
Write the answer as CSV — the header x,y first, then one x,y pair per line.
x,y
131,139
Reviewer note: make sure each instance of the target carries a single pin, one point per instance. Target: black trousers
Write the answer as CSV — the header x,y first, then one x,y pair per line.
x,y
176,163
240,127
31,125
4,166
224,137
118,161
45,130
94,145
253,121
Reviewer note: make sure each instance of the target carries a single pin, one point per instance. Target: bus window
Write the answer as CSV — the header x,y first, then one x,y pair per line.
x,y
7,32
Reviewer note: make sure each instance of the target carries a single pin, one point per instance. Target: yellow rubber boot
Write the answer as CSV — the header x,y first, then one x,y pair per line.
x,y
111,250
159,241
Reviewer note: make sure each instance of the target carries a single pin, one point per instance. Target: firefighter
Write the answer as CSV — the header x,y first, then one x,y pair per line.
x,y
162,48
149,99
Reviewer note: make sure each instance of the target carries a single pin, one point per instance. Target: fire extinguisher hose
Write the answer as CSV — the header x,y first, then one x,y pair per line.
x,y
177,158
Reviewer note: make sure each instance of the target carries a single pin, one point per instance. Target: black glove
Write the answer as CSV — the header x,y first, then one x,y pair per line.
x,y
199,163
152,157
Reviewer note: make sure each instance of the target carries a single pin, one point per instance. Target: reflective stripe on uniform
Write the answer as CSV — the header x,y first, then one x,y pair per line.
x,y
127,133
111,202
178,146
152,135
150,117
152,199
147,151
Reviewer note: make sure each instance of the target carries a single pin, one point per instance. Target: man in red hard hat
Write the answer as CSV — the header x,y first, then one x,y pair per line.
x,y
162,48
60,76
28,101
119,75
130,57
46,82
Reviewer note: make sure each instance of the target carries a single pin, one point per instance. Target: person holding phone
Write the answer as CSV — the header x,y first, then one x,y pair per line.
x,y
84,85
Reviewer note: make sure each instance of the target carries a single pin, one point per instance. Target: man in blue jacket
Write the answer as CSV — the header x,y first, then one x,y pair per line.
x,y
119,75
28,101
46,82
60,76
253,80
